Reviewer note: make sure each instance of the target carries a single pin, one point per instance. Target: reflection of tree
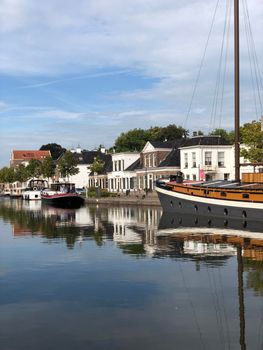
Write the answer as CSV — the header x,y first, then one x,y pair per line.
x,y
133,249
254,276
59,226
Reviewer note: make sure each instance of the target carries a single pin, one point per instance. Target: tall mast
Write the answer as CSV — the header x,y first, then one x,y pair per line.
x,y
237,97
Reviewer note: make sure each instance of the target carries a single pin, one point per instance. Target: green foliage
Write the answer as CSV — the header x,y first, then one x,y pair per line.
x,y
135,139
169,133
21,173
55,150
48,167
67,165
7,175
252,138
227,135
97,166
34,168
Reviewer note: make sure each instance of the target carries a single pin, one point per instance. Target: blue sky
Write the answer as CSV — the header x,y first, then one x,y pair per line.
x,y
82,73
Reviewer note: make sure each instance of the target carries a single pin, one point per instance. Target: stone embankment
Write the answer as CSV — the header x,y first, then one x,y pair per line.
x,y
149,199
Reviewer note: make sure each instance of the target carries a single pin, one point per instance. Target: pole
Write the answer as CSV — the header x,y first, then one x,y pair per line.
x,y
242,339
237,93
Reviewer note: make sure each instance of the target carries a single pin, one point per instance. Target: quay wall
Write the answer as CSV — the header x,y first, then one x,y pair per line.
x,y
142,199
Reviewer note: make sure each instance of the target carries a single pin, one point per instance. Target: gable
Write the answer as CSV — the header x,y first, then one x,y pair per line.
x,y
148,147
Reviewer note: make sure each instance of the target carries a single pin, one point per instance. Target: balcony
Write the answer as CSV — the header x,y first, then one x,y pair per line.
x,y
210,168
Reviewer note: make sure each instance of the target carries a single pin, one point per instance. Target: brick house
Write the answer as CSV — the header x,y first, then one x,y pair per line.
x,y
24,156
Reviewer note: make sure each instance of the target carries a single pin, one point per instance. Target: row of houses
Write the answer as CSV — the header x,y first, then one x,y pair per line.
x,y
199,158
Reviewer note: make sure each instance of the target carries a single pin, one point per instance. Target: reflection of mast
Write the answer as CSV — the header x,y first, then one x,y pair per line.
x,y
242,339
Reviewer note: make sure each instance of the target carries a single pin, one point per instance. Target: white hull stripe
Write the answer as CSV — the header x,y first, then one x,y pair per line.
x,y
212,201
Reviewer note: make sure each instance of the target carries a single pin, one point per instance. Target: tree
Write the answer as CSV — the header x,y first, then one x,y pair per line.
x,y
34,168
67,165
48,167
21,173
55,150
133,140
227,135
7,175
169,133
97,166
252,138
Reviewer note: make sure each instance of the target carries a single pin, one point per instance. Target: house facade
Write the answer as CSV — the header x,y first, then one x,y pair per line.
x,y
85,178
123,177
158,159
207,158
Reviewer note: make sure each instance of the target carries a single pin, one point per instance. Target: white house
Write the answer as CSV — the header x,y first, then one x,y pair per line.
x,y
84,161
207,158
122,177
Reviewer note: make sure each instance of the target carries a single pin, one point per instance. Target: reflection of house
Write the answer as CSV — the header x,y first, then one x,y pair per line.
x,y
23,157
135,225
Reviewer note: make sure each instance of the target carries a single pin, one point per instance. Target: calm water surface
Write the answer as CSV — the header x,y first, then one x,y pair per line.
x,y
119,278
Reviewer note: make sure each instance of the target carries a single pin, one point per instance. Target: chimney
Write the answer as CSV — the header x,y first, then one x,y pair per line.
x,y
78,149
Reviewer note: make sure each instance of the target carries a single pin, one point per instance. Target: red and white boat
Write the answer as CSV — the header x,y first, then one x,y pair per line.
x,y
62,195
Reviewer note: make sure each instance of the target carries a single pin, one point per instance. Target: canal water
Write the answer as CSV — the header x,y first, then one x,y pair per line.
x,y
127,278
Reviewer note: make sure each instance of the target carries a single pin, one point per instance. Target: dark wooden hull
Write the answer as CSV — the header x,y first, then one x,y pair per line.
x,y
173,202
63,200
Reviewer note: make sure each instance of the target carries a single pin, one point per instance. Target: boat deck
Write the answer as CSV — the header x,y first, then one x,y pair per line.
x,y
226,184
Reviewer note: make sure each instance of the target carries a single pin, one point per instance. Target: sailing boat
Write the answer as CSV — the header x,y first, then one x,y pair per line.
x,y
228,199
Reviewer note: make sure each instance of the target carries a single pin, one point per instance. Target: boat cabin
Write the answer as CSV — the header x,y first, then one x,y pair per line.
x,y
37,184
64,187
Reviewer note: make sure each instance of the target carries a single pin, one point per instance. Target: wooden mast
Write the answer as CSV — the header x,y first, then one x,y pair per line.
x,y
237,95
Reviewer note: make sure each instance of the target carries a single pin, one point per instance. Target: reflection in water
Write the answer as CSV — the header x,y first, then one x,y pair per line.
x,y
134,273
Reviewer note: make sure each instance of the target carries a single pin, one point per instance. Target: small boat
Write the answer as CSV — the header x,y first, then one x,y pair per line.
x,y
230,199
33,190
62,195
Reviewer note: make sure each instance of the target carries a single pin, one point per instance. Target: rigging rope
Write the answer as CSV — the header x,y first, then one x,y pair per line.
x,y
252,47
201,65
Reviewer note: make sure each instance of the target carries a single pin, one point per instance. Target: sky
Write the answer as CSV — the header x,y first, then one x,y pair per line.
x,y
80,73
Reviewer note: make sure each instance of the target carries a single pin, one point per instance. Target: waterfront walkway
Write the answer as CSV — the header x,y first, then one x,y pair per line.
x,y
150,199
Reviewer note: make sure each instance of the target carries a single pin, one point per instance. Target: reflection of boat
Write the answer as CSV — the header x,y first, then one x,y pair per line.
x,y
198,239
221,198
33,190
62,195
203,223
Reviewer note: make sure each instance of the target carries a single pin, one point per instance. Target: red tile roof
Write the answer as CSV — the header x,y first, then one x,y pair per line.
x,y
27,155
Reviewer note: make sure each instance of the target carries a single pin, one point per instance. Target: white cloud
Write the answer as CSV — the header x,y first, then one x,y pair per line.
x,y
158,37
162,39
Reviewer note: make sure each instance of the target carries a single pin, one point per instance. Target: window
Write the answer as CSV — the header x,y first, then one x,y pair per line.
x,y
193,160
194,177
119,165
208,158
187,177
115,165
221,159
226,177
185,160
